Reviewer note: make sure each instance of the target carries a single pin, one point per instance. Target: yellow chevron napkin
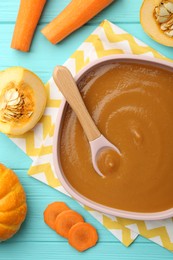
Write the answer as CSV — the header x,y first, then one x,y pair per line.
x,y
105,40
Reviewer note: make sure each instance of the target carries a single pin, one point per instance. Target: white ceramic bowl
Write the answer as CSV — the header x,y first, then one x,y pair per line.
x,y
56,158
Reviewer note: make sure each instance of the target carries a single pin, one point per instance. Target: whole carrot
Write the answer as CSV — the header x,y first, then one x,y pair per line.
x,y
28,16
76,14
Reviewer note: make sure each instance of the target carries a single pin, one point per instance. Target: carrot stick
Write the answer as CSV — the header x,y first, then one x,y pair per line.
x,y
76,14
66,220
27,20
82,236
52,211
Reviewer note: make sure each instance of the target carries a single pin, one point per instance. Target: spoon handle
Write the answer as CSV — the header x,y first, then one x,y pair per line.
x,y
67,85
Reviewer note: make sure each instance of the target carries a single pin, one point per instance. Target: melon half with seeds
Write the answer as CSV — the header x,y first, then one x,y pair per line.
x,y
156,18
22,100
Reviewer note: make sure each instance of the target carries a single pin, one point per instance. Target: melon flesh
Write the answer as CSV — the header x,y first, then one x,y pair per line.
x,y
31,84
150,25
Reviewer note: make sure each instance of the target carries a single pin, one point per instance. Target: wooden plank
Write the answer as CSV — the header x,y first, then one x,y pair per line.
x,y
42,62
38,197
34,228
61,250
11,155
120,11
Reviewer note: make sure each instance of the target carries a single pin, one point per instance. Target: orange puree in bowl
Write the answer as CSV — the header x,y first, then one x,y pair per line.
x,y
132,105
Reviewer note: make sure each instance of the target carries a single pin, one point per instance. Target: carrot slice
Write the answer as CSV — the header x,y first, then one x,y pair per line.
x,y
28,16
66,220
82,236
76,14
52,211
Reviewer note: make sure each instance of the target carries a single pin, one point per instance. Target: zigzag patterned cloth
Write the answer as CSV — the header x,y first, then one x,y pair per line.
x,y
105,40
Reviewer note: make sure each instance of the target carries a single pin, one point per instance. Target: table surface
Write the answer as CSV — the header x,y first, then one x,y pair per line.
x,y
35,240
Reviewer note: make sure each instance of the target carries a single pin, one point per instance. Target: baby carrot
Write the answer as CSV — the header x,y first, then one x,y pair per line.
x,y
28,16
76,14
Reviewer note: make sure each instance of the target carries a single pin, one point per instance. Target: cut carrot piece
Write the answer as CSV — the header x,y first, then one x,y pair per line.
x,y
82,236
52,211
27,20
76,14
66,220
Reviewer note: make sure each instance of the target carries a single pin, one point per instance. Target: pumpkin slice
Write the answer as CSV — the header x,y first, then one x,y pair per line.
x,y
22,100
156,17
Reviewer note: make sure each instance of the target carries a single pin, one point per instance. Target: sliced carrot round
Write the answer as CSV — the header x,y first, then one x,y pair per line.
x,y
52,211
82,236
66,220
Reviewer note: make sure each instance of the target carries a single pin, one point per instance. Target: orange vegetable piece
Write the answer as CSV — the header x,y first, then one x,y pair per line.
x,y
52,211
28,16
13,207
82,236
76,14
65,221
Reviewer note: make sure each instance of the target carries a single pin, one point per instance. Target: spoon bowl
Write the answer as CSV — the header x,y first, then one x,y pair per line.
x,y
98,145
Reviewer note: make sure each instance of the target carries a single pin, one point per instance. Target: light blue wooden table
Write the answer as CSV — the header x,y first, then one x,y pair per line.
x,y
36,240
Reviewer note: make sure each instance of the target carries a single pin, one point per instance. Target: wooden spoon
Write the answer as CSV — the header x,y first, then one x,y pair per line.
x,y
67,85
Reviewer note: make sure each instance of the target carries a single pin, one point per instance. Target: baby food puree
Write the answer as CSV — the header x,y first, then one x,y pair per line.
x,y
132,105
